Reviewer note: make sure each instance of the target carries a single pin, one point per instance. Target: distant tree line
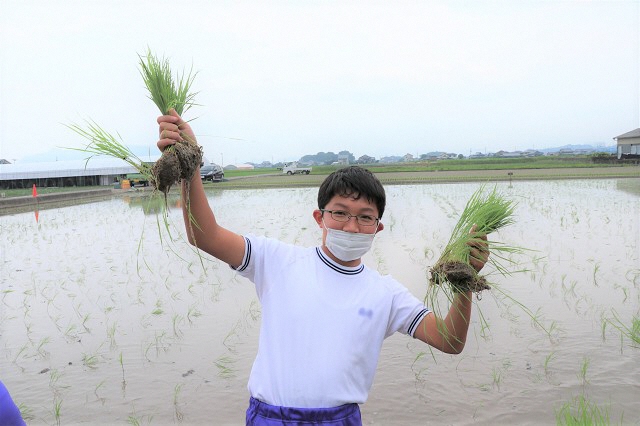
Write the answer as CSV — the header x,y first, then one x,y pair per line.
x,y
327,158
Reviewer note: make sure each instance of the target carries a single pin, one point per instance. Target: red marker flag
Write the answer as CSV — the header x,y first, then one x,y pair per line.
x,y
35,193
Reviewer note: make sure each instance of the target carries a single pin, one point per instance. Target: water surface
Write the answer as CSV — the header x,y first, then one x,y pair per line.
x,y
108,318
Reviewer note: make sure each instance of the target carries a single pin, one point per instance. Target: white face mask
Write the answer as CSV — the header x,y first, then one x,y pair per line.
x,y
348,246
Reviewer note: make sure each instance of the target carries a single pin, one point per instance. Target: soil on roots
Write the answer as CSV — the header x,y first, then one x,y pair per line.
x,y
460,275
177,162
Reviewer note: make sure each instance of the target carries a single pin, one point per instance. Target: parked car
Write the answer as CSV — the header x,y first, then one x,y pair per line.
x,y
211,172
292,169
137,179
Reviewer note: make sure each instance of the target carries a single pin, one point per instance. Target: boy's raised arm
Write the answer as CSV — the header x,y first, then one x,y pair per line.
x,y
207,235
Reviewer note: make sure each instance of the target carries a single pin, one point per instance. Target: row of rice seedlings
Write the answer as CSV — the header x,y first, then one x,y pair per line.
x,y
57,409
111,334
176,320
90,360
629,331
124,380
179,416
138,420
165,286
63,306
95,392
581,411
54,377
579,297
547,362
225,363
193,313
498,373
584,367
26,412
225,367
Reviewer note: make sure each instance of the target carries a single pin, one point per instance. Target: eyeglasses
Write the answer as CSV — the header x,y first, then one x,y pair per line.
x,y
342,216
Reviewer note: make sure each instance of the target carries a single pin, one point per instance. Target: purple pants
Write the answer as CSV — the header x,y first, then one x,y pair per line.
x,y
9,412
263,414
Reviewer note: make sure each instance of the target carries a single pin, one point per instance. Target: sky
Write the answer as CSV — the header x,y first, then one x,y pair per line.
x,y
277,80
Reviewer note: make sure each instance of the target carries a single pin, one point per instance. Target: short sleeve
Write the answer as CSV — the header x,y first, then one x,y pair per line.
x,y
406,310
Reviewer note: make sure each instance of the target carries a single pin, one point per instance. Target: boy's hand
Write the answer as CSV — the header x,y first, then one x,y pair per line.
x,y
479,253
173,129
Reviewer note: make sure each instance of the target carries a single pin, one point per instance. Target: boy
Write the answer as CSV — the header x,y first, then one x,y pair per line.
x,y
324,313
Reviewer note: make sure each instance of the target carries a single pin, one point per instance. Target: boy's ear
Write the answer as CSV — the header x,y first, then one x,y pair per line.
x,y
317,215
380,227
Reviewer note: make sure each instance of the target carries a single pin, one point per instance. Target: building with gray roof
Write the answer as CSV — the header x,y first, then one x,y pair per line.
x,y
98,171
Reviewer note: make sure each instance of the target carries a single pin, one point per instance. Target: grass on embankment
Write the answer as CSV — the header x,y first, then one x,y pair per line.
x,y
544,162
458,170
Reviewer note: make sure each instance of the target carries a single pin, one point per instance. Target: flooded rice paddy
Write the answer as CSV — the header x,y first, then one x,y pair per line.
x,y
107,318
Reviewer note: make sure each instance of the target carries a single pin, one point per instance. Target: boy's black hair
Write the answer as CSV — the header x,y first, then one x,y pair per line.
x,y
355,182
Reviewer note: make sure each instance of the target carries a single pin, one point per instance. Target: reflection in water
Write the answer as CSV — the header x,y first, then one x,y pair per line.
x,y
631,186
153,203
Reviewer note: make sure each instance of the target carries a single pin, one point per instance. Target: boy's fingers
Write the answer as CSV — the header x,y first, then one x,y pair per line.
x,y
170,134
479,253
168,118
179,121
165,143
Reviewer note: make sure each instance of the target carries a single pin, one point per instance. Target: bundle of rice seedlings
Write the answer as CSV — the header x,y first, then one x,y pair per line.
x,y
102,142
484,214
181,160
164,91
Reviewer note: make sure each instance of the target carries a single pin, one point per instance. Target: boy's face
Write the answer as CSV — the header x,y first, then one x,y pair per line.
x,y
354,207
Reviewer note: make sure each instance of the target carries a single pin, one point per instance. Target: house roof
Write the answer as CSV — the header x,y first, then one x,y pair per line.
x,y
632,134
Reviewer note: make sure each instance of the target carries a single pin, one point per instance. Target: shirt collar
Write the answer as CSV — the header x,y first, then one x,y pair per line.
x,y
347,270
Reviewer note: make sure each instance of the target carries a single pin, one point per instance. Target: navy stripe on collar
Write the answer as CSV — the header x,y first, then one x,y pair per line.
x,y
338,268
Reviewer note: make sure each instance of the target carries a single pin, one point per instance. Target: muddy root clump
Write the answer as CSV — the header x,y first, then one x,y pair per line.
x,y
190,156
166,171
177,162
461,276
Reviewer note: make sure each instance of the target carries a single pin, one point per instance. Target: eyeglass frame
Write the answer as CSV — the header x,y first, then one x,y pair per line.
x,y
349,216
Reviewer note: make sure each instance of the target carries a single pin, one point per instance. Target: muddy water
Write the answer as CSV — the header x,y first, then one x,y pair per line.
x,y
108,317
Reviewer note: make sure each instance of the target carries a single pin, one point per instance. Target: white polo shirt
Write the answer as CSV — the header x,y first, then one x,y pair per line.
x,y
323,324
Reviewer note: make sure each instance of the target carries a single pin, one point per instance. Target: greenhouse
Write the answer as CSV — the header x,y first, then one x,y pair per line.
x,y
95,172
